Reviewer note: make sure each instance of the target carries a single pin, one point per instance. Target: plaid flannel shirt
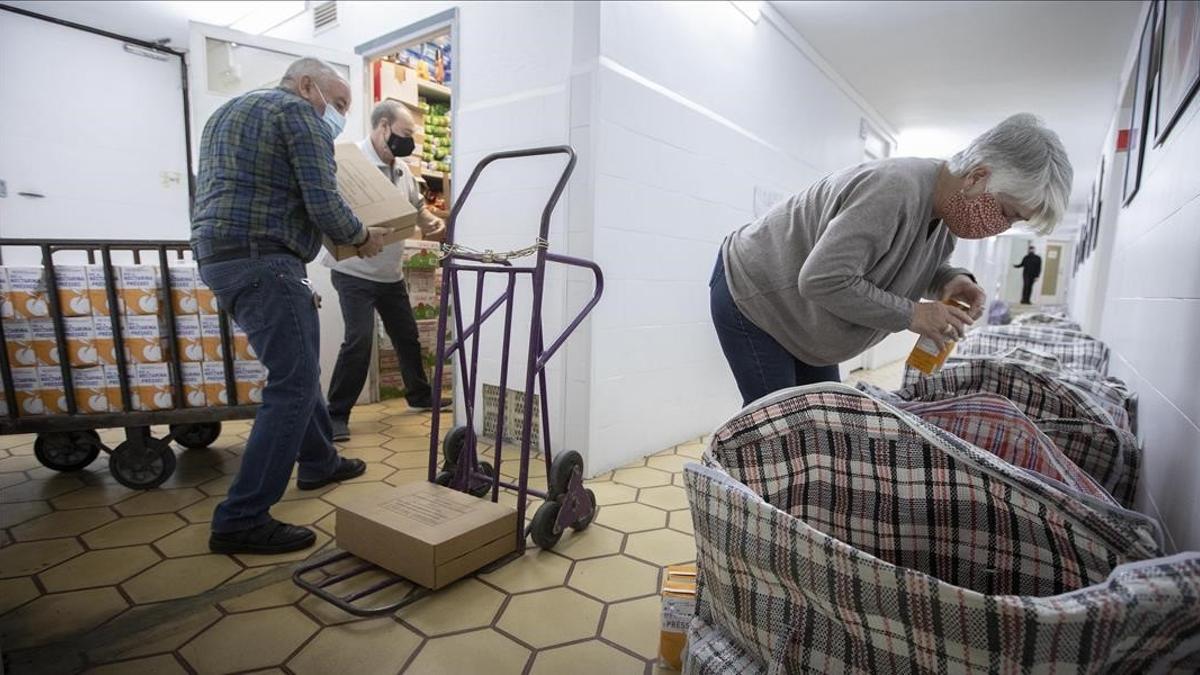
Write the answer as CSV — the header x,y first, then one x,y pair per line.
x,y
851,538
267,174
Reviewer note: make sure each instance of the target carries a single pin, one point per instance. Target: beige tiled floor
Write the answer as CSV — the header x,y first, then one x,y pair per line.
x,y
93,575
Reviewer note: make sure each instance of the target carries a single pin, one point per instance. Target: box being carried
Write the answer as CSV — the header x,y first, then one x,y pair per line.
x,y
426,533
371,197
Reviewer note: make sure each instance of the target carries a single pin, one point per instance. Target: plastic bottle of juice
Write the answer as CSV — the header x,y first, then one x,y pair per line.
x,y
925,356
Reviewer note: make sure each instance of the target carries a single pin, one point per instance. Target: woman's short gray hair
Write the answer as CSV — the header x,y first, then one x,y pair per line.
x,y
1028,162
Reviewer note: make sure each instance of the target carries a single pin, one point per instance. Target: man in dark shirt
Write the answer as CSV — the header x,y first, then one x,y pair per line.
x,y
266,195
1032,264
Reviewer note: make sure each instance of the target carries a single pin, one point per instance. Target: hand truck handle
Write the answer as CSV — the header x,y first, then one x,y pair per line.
x,y
548,352
514,154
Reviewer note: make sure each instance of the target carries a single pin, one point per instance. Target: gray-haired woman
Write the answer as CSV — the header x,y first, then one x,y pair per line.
x,y
833,270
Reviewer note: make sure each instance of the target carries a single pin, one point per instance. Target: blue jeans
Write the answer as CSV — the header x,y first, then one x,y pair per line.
x,y
268,297
759,363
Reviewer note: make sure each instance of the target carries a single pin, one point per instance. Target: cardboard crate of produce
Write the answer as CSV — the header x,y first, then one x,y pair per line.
x,y
372,197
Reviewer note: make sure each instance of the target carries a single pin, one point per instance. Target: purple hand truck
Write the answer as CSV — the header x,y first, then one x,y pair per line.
x,y
567,503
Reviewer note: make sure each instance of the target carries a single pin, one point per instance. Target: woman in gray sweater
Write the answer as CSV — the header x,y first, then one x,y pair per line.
x,y
833,270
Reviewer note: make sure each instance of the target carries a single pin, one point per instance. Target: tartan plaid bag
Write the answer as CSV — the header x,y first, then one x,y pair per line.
x,y
1074,350
1111,455
1047,319
851,537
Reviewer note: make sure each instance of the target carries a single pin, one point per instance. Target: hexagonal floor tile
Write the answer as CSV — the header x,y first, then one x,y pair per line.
x,y
191,540
246,641
415,459
682,521
466,604
609,493
16,592
216,487
375,646
614,578
10,479
370,455
593,542
53,617
406,476
202,511
133,530
40,489
551,617
180,578
348,492
13,514
483,651
19,560
106,567
635,625
154,637
63,524
94,495
535,570
664,547
586,658
668,498
19,463
631,517
694,450
159,501
191,475
360,440
301,511
278,594
641,477
164,664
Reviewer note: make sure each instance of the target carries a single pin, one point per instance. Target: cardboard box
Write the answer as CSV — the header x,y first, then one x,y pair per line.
x,y
429,534
27,388
183,290
91,394
249,377
97,289
137,289
143,338
242,349
151,386
45,345
18,340
194,395
6,307
112,388
395,82
188,338
215,391
371,197
27,291
73,296
106,347
678,607
210,337
206,300
81,341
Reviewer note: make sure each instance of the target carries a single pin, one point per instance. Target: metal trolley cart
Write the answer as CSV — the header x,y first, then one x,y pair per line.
x,y
567,503
70,442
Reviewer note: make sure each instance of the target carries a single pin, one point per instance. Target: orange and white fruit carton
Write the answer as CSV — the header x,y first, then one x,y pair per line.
x,y
52,391
205,298
137,289
143,339
192,375
183,289
151,386
81,341
98,289
27,389
112,387
678,607
27,292
210,335
90,396
215,391
74,299
106,347
188,338
44,343
250,377
6,308
242,349
18,340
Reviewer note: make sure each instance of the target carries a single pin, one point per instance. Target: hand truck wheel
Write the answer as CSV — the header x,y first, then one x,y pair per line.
x,y
483,489
196,436
67,450
560,472
142,466
544,527
452,447
444,478
583,522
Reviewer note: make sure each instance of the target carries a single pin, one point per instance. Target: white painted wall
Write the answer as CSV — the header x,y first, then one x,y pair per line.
x,y
1150,316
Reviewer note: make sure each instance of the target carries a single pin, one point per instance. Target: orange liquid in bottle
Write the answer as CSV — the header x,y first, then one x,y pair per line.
x,y
925,356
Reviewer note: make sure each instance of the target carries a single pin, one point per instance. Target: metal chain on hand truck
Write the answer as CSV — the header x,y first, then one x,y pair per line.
x,y
490,256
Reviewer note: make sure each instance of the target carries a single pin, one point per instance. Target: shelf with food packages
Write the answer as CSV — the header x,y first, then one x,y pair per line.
x,y
423,278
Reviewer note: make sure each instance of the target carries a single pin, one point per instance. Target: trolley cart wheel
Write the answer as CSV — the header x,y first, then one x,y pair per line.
x,y
483,488
196,436
560,473
142,465
452,447
444,478
544,527
583,522
67,450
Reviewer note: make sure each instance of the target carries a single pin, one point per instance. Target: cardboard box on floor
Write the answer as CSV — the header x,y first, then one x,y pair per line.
x,y
426,533
372,197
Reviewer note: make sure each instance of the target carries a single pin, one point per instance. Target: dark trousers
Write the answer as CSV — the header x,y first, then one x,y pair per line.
x,y
759,363
360,299
1027,290
270,299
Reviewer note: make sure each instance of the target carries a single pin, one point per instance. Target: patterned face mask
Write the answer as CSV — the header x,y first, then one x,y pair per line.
x,y
975,217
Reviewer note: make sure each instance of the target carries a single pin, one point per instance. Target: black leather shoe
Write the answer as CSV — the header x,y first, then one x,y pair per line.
x,y
427,404
270,537
347,468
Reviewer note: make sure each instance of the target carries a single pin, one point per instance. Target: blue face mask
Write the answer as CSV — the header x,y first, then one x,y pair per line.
x,y
335,119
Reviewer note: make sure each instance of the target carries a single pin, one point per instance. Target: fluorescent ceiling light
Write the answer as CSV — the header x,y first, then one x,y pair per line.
x,y
263,16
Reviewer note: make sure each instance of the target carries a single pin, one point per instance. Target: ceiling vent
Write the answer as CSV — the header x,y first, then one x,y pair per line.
x,y
325,16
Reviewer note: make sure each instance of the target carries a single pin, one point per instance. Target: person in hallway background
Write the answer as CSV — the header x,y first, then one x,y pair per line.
x,y
1032,265
367,286
831,271
266,194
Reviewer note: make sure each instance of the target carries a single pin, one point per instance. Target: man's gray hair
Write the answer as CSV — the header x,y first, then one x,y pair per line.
x,y
316,69
388,111
1028,162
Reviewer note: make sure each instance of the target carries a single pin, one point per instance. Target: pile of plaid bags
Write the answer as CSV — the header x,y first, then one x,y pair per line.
x,y
973,521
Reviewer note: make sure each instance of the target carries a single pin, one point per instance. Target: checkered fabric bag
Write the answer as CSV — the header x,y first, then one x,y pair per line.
x,y
852,538
1046,319
1075,350
1111,455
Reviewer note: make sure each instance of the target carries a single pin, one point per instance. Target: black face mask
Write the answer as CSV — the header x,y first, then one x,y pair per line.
x,y
400,146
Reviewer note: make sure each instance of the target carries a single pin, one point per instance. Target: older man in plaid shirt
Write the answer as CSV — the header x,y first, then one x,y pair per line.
x,y
267,193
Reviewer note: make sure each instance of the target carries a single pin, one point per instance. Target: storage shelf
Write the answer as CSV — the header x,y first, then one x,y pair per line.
x,y
430,89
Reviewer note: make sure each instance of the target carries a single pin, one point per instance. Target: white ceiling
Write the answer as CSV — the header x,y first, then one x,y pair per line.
x,y
942,72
